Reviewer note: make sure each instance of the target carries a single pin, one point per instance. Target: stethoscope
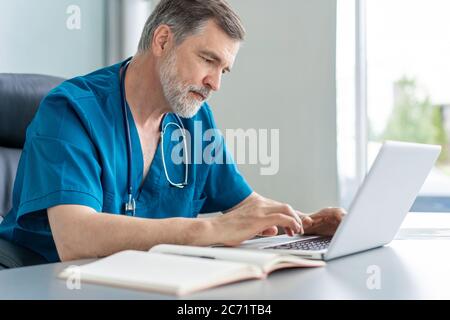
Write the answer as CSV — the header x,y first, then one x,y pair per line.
x,y
130,204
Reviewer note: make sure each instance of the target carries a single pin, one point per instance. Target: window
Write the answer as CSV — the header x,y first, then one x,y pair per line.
x,y
399,78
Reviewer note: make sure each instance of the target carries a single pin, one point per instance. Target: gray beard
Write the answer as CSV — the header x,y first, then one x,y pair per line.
x,y
175,92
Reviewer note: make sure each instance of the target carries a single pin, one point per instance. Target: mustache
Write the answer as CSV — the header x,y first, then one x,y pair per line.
x,y
205,92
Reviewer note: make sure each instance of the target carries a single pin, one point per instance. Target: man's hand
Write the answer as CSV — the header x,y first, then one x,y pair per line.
x,y
255,215
323,222
258,215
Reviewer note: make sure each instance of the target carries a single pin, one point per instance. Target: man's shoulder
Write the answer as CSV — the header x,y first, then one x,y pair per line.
x,y
97,84
85,97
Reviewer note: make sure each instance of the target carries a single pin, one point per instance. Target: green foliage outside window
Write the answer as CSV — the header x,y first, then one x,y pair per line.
x,y
415,119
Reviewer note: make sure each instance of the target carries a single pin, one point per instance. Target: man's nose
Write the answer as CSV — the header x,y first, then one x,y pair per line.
x,y
213,81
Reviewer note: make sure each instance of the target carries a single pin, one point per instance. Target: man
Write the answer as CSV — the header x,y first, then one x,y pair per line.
x,y
72,183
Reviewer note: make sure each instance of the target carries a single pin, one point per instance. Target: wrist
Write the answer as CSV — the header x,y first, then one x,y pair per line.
x,y
203,232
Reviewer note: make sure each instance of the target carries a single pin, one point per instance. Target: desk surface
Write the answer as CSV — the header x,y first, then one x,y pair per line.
x,y
407,269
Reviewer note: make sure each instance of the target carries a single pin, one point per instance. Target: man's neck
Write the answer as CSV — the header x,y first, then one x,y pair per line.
x,y
144,93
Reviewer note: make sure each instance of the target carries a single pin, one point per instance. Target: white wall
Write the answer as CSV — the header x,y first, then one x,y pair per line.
x,y
125,20
284,78
34,37
135,14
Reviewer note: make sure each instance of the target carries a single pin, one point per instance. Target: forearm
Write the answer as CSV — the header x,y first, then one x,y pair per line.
x,y
113,233
101,234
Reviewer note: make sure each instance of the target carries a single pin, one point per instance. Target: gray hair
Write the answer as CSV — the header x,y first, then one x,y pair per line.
x,y
187,17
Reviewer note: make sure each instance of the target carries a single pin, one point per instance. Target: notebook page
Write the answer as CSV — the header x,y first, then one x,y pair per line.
x,y
163,273
256,257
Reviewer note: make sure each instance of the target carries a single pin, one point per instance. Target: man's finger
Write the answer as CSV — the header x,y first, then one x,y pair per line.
x,y
285,209
307,221
283,220
272,231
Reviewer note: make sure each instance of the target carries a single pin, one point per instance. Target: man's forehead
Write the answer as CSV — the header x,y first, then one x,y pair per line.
x,y
214,40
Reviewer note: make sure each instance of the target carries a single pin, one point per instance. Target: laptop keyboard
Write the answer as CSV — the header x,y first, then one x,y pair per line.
x,y
312,244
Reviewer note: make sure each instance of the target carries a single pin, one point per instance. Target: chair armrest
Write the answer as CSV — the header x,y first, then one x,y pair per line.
x,y
14,256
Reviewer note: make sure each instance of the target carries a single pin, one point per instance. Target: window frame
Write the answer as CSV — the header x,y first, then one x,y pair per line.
x,y
361,139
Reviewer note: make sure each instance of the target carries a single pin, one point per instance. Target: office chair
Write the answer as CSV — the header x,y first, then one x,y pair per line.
x,y
20,95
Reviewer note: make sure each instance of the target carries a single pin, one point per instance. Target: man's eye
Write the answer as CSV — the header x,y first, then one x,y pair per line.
x,y
207,60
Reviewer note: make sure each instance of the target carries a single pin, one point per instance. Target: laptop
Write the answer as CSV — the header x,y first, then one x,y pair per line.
x,y
376,212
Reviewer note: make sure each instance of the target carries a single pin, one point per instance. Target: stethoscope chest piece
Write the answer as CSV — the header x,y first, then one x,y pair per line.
x,y
130,205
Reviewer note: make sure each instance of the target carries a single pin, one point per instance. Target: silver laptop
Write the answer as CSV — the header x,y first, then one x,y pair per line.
x,y
377,211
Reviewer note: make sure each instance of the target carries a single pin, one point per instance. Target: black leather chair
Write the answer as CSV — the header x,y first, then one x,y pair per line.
x,y
20,95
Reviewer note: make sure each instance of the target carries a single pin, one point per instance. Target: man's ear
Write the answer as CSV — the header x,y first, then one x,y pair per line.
x,y
162,38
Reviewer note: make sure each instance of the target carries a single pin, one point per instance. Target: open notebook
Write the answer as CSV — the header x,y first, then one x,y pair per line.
x,y
179,270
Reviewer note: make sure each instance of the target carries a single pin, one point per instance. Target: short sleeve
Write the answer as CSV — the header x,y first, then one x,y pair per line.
x,y
59,161
225,186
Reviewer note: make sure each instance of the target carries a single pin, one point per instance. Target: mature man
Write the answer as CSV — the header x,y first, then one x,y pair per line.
x,y
95,178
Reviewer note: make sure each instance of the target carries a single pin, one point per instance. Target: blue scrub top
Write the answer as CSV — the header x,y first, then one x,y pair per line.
x,y
75,153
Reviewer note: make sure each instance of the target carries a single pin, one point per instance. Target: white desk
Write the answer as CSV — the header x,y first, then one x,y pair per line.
x,y
409,269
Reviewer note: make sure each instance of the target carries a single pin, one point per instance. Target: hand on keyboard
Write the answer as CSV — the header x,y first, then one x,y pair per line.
x,y
323,222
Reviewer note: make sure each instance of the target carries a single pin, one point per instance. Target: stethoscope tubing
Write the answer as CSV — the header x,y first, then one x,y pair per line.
x,y
130,205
